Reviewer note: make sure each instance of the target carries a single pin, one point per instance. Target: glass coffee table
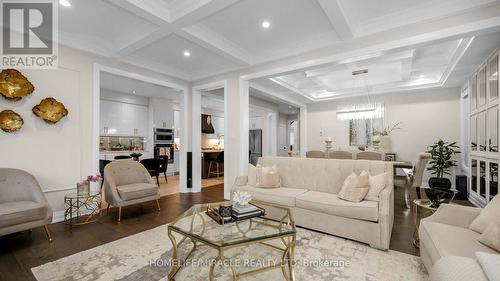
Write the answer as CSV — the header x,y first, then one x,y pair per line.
x,y
276,225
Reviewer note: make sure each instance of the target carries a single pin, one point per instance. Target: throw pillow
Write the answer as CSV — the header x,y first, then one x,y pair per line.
x,y
490,263
377,183
487,216
355,187
268,177
491,236
252,175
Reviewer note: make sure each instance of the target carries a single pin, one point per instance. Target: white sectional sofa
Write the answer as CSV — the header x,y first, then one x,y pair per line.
x,y
448,247
309,187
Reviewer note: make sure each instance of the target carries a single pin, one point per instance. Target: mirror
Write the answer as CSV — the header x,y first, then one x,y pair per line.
x,y
361,131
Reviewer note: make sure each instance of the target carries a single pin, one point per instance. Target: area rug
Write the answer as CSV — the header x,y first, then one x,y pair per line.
x,y
146,256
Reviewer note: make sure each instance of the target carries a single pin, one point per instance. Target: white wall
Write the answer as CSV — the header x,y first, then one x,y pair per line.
x,y
425,117
60,155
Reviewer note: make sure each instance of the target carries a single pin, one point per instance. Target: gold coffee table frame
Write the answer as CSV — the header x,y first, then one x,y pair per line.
x,y
285,231
80,209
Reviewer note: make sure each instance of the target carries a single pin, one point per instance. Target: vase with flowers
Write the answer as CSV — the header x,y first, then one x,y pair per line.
x,y
83,187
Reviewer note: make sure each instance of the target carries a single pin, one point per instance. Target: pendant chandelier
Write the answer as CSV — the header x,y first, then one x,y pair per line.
x,y
369,110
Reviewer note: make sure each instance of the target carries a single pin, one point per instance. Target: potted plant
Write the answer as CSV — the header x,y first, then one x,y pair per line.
x,y
441,162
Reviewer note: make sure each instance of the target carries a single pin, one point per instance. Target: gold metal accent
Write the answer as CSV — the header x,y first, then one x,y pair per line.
x,y
158,204
119,214
287,236
47,231
50,110
13,85
10,121
107,209
80,209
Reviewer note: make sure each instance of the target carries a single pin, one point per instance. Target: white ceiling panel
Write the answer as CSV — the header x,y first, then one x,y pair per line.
x,y
168,53
131,86
294,24
98,26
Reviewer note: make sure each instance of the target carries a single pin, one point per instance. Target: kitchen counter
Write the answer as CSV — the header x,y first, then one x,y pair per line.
x,y
211,150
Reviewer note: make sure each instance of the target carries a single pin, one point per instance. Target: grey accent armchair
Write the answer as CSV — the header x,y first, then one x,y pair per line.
x,y
315,154
127,183
23,205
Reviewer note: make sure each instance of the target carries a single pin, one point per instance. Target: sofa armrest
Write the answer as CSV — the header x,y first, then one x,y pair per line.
x,y
386,216
456,215
111,195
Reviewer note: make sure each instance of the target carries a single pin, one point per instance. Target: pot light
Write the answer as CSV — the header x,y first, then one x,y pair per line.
x,y
65,3
187,53
266,24
133,92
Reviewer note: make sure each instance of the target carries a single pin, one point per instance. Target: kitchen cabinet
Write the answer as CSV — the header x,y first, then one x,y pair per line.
x,y
163,117
118,118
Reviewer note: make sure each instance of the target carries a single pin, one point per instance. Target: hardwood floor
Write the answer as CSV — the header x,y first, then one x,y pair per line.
x,y
20,252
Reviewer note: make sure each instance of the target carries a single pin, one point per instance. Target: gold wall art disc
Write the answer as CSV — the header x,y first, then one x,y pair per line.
x,y
50,110
13,85
10,121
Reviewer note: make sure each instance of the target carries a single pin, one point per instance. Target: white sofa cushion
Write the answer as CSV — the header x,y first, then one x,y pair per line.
x,y
329,204
252,175
450,240
491,236
377,184
137,190
282,196
355,187
488,215
455,268
324,175
490,264
268,177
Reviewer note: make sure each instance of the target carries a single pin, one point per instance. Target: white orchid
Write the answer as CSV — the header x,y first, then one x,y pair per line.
x,y
241,198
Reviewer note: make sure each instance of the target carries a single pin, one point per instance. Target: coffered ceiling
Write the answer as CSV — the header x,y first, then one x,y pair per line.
x,y
225,35
439,64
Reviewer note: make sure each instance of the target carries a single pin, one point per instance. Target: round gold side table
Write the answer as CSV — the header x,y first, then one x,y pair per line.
x,y
82,209
424,205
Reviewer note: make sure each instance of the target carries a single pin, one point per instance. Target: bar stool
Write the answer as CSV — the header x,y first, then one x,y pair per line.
x,y
219,160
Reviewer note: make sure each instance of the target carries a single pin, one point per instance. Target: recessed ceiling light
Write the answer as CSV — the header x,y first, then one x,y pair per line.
x,y
133,92
65,3
187,53
266,24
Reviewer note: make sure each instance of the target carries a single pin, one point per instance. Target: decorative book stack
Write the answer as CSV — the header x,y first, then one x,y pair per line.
x,y
246,211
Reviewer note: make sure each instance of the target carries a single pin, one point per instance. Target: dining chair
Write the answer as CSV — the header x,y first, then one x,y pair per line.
x,y
102,165
121,157
340,154
315,154
370,155
164,166
153,167
414,177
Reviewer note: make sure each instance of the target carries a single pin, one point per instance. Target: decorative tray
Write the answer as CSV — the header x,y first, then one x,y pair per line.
x,y
214,214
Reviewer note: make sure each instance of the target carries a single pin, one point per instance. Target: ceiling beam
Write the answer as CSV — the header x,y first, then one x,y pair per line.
x,y
337,18
279,96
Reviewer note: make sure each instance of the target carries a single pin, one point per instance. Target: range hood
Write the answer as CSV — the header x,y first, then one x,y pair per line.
x,y
206,124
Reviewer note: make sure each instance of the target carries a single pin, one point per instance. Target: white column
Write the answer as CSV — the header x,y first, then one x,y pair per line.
x,y
303,130
196,140
236,107
185,136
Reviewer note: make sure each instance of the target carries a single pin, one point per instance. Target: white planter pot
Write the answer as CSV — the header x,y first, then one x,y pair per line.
x,y
385,143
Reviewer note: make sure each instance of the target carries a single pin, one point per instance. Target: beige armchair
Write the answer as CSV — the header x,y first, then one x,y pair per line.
x,y
22,203
340,154
315,154
414,178
371,155
127,183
